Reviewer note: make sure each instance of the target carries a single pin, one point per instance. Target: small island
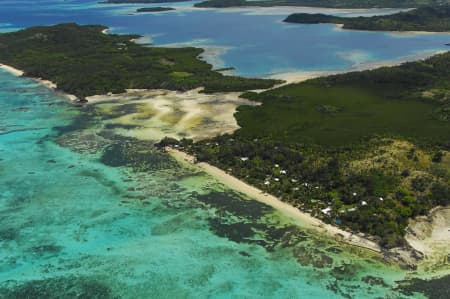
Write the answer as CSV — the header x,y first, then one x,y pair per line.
x,y
434,19
319,3
154,9
140,1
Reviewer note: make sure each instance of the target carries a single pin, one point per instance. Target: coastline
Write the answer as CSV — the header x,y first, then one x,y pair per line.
x,y
399,33
46,83
283,10
301,218
11,70
430,235
300,76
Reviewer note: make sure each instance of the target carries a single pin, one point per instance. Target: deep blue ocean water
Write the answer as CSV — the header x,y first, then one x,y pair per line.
x,y
73,226
256,44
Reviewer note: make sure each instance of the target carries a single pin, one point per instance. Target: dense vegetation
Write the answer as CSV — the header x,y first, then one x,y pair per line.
x,y
154,9
322,3
421,19
364,150
83,61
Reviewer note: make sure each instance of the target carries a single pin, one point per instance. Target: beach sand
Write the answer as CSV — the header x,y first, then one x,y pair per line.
x,y
11,70
298,217
49,84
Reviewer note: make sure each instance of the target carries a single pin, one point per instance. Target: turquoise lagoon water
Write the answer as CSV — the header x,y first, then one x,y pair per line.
x,y
77,222
70,225
255,42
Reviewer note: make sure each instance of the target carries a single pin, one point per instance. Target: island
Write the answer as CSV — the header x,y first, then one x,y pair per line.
x,y
363,151
141,1
154,9
429,18
83,61
320,3
366,151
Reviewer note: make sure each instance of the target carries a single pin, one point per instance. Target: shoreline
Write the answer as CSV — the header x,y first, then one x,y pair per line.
x,y
46,83
396,32
288,210
301,76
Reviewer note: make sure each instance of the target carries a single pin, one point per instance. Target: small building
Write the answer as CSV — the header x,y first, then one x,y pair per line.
x,y
326,211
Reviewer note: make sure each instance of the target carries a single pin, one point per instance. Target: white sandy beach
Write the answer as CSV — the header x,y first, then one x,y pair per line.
x,y
11,70
49,84
303,219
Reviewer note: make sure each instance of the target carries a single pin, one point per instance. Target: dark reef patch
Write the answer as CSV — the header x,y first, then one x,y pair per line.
x,y
55,288
8,234
233,204
45,250
433,289
345,271
307,256
238,232
120,126
372,280
139,155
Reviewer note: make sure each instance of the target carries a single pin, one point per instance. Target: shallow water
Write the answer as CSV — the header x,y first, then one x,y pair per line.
x,y
86,212
74,221
254,41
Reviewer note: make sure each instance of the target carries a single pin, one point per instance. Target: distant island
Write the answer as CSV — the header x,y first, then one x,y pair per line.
x,y
321,3
154,9
83,61
366,151
140,1
436,19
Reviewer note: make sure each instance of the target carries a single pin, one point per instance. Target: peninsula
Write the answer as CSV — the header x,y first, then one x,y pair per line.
x,y
83,61
435,19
